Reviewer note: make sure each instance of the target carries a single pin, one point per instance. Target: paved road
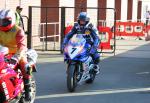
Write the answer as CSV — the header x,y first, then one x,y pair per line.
x,y
123,79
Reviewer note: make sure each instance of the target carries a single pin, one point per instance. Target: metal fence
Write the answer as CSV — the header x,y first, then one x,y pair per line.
x,y
46,25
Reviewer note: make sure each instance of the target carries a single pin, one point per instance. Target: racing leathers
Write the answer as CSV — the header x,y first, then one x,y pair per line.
x,y
14,39
91,36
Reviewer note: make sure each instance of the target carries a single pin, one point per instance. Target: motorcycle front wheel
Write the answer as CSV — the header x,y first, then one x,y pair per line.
x,y
71,77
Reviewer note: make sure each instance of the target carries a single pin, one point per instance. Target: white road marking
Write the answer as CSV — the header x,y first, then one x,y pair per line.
x,y
95,92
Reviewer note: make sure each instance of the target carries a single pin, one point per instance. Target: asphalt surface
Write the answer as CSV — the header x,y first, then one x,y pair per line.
x,y
124,78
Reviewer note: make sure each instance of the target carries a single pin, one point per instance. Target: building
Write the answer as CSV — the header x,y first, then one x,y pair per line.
x,y
132,10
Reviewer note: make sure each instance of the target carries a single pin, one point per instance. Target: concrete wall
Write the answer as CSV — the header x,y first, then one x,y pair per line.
x,y
110,12
124,10
134,10
92,12
69,12
2,4
11,4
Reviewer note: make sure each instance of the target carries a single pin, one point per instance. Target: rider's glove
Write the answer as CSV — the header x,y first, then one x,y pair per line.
x,y
63,46
20,54
14,59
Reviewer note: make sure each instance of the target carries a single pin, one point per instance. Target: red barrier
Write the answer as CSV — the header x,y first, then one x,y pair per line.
x,y
129,29
68,28
147,29
105,45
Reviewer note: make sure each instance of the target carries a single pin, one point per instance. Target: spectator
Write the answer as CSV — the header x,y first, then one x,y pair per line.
x,y
19,20
147,17
147,38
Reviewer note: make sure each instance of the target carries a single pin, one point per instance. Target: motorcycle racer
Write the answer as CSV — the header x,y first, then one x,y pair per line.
x,y
83,26
13,37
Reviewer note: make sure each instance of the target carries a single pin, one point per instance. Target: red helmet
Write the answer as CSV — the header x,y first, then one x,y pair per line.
x,y
7,19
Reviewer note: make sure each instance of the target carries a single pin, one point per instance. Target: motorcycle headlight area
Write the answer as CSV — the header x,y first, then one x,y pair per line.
x,y
74,51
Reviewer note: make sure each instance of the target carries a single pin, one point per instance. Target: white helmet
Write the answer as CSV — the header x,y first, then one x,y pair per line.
x,y
7,19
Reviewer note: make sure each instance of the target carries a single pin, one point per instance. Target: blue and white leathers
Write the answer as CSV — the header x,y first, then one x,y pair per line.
x,y
91,37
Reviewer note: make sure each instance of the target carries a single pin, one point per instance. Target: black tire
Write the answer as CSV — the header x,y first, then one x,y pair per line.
x,y
92,77
22,100
2,97
71,78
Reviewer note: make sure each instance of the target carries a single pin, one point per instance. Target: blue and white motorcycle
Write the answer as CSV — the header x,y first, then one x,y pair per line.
x,y
79,62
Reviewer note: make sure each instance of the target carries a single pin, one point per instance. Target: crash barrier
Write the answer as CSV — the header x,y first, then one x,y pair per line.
x,y
54,35
134,29
106,31
129,29
67,29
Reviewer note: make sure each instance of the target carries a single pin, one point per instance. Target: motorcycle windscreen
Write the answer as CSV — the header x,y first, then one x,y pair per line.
x,y
75,45
4,50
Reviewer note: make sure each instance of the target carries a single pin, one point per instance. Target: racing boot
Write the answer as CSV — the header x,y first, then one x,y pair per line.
x,y
27,88
96,66
28,85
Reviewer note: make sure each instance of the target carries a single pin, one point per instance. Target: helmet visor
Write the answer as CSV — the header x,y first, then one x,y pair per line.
x,y
5,22
82,22
82,18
